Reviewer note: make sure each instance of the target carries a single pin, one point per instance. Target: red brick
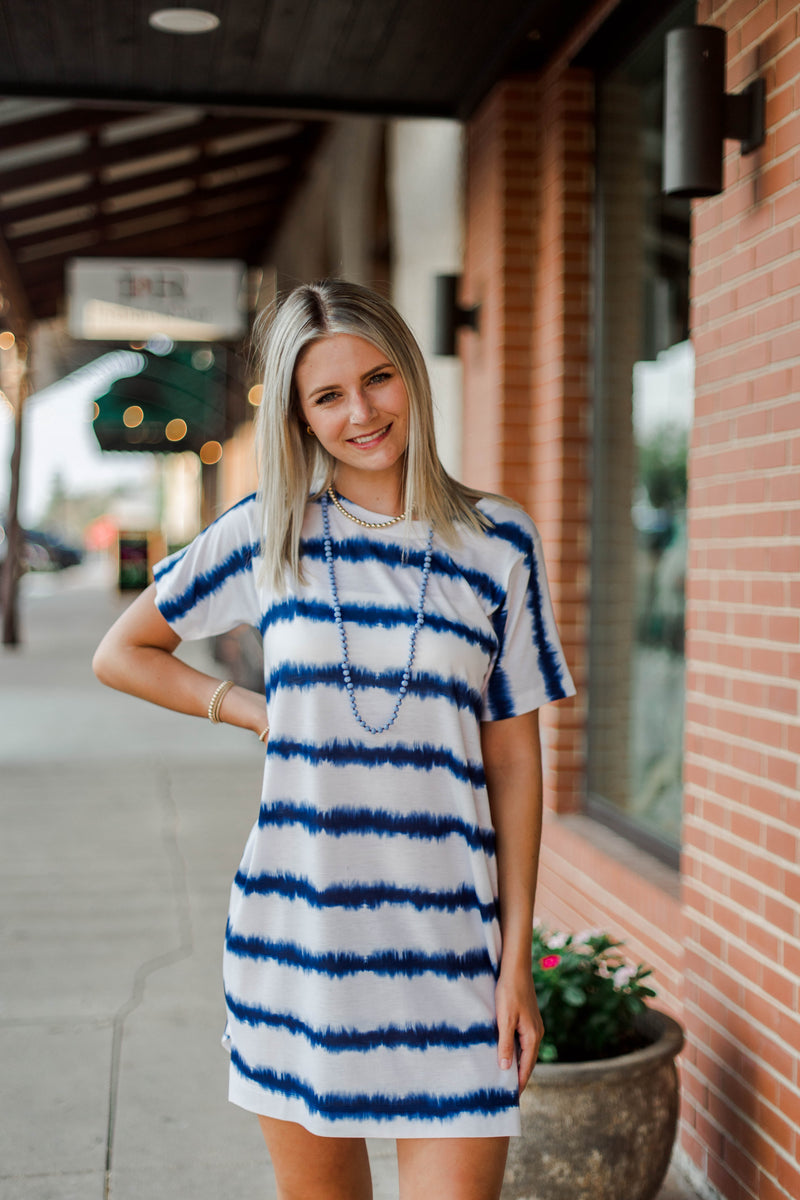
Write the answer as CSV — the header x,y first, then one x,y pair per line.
x,y
789,1175
783,917
786,207
784,629
756,26
787,67
777,246
773,316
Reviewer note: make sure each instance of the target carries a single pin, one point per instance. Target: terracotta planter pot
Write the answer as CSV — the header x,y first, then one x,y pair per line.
x,y
600,1130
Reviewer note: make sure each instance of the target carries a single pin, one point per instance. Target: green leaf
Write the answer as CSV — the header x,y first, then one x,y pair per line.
x,y
574,996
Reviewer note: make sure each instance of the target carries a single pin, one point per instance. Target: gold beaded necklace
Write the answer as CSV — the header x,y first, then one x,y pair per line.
x,y
334,499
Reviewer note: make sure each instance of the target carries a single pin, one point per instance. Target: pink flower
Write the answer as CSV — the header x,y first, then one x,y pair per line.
x,y
623,976
549,961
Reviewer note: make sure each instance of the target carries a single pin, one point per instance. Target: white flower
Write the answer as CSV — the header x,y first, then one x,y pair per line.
x,y
622,977
585,936
557,941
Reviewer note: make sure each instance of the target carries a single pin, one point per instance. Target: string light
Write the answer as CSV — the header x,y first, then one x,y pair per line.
x,y
133,416
176,429
210,453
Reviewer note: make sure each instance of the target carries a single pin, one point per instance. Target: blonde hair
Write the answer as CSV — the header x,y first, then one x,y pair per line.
x,y
292,466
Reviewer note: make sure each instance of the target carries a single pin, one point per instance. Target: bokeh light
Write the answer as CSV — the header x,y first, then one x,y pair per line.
x,y
132,416
7,339
210,453
203,360
176,429
256,394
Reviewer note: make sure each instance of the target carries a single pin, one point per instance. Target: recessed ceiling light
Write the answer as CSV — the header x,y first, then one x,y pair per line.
x,y
183,20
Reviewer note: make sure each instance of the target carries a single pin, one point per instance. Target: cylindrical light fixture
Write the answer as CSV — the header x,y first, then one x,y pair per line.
x,y
449,315
698,115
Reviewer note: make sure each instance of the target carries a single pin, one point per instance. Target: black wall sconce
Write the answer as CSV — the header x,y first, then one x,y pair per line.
x,y
698,115
449,315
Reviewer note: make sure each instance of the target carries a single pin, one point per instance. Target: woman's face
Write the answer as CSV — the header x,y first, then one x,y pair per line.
x,y
356,404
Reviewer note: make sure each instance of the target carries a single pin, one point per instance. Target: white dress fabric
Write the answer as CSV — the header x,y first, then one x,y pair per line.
x,y
363,942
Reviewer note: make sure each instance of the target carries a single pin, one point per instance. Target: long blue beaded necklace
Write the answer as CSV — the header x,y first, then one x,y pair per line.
x,y
337,614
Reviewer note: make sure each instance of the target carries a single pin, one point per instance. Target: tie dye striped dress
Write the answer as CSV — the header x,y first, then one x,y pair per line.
x,y
363,944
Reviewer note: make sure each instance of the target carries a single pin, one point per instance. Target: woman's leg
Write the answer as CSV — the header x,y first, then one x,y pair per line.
x,y
451,1168
308,1167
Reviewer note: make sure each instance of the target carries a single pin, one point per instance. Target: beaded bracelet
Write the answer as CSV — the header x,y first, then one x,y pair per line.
x,y
262,737
215,703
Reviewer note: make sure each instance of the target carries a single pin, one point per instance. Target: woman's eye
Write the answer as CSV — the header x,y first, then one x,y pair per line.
x,y
325,398
380,377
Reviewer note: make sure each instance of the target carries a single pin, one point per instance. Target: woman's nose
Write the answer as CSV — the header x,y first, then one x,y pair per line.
x,y
361,408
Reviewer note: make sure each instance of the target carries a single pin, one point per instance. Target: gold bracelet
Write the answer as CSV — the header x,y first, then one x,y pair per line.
x,y
262,737
215,703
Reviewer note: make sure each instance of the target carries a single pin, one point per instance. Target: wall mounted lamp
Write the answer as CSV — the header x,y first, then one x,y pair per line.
x,y
698,115
449,315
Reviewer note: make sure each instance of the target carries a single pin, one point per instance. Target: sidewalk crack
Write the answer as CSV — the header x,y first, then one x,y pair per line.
x,y
170,823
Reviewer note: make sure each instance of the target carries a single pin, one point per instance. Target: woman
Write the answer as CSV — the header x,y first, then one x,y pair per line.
x,y
408,643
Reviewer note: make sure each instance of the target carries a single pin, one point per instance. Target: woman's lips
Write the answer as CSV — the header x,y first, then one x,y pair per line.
x,y
370,439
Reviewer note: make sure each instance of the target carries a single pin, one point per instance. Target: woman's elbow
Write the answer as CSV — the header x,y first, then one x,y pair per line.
x,y
105,663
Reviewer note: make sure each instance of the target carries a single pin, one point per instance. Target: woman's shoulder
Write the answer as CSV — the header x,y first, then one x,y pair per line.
x,y
507,541
508,521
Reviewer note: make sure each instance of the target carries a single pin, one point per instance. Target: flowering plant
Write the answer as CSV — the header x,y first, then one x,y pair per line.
x,y
588,996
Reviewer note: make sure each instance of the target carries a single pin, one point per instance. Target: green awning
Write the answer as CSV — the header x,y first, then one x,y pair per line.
x,y
176,402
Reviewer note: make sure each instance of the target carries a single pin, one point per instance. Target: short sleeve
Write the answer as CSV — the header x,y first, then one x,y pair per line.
x,y
529,668
209,587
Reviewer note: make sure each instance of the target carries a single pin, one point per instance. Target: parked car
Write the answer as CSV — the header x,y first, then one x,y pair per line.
x,y
42,551
59,554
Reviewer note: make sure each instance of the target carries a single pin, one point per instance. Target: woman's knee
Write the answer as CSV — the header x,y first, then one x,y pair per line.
x,y
307,1166
451,1168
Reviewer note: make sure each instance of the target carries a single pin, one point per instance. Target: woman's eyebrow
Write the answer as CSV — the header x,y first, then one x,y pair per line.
x,y
331,387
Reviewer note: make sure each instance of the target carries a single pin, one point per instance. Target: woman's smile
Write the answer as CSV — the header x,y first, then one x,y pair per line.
x,y
370,439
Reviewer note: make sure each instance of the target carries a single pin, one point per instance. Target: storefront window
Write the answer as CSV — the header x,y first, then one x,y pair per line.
x,y
642,420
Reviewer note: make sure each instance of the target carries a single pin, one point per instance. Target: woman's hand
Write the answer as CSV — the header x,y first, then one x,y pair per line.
x,y
518,1020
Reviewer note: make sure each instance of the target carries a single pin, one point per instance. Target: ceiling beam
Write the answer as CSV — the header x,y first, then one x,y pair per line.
x,y
206,130
170,240
271,105
196,205
62,124
102,190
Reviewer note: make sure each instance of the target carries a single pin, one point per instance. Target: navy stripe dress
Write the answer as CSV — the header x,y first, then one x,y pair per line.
x,y
363,943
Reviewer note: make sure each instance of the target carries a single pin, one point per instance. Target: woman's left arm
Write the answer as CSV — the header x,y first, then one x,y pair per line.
x,y
513,764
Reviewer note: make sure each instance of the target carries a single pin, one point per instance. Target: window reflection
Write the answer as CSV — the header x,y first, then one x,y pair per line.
x,y
642,420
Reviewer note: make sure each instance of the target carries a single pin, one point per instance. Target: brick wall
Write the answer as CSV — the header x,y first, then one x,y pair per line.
x,y
741,872
724,937
525,377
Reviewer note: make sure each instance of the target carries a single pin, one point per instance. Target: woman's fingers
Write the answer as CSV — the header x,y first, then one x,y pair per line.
x,y
529,1038
520,1031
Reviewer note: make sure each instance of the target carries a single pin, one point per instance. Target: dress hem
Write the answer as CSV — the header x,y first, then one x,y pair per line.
x,y
252,1098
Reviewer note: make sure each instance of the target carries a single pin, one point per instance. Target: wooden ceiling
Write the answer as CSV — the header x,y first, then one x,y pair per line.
x,y
392,57
79,180
119,140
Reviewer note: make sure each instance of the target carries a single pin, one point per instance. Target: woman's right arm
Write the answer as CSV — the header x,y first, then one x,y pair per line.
x,y
137,656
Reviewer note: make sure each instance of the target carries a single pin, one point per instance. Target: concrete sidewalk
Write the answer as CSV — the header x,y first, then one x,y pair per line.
x,y
122,826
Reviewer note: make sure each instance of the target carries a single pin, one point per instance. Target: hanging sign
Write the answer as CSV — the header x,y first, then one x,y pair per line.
x,y
132,299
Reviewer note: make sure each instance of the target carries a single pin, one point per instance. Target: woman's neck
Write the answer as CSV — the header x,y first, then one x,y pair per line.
x,y
376,495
